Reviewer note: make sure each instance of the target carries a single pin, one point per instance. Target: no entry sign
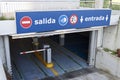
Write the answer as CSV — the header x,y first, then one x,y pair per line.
x,y
26,22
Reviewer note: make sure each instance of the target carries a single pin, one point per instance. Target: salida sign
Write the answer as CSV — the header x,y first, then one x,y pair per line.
x,y
42,21
45,21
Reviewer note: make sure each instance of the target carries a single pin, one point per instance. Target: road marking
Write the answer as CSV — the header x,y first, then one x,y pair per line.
x,y
54,71
48,65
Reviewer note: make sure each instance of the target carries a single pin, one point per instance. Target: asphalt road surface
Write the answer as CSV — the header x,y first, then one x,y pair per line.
x,y
86,74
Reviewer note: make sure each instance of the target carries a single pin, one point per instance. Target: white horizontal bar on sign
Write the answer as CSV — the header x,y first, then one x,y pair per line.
x,y
27,52
25,22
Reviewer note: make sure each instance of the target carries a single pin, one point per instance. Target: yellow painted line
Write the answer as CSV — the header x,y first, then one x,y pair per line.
x,y
54,71
48,65
39,56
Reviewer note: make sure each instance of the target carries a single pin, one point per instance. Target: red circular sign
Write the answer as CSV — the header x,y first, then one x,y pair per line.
x,y
73,19
26,22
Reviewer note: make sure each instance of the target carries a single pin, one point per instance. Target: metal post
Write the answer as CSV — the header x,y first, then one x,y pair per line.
x,y
7,52
47,54
62,39
49,57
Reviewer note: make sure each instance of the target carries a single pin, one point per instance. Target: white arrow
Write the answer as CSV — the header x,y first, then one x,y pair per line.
x,y
106,17
81,19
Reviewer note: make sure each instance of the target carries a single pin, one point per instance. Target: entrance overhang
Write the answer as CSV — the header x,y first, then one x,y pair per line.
x,y
51,33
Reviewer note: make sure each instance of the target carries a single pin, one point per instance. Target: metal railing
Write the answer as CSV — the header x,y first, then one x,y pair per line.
x,y
11,7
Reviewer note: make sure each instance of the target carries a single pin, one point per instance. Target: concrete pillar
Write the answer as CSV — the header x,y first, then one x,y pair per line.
x,y
2,72
93,47
2,60
100,37
35,43
62,39
7,52
99,3
2,52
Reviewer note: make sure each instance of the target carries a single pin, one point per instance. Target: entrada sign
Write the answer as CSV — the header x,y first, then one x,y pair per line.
x,y
42,21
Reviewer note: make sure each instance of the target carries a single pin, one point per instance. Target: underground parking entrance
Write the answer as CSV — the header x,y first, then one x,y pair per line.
x,y
53,43
53,56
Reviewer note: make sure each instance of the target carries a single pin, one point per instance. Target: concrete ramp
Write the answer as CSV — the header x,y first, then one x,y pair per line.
x,y
29,67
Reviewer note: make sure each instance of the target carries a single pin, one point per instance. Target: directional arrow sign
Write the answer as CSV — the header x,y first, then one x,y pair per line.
x,y
81,19
42,21
106,17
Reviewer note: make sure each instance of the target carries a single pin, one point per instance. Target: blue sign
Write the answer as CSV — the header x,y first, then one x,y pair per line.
x,y
43,21
63,20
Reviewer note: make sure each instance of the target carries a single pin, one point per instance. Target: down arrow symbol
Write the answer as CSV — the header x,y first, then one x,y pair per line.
x,y
81,19
106,17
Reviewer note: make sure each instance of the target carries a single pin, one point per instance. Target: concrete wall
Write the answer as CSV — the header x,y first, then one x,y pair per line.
x,y
111,37
7,27
111,34
117,45
108,62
